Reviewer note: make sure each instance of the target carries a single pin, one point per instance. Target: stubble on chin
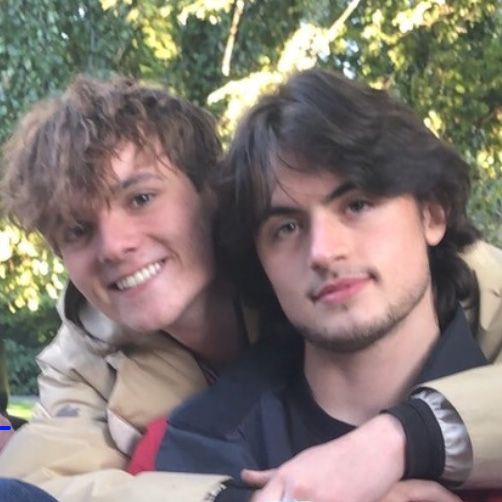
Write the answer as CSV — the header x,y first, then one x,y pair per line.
x,y
359,336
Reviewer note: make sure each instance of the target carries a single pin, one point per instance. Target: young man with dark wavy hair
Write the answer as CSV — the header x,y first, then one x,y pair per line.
x,y
343,214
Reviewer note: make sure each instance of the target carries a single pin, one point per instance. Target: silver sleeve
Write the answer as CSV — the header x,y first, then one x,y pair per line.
x,y
458,447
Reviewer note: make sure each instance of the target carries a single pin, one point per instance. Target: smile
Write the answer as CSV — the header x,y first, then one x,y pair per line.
x,y
139,277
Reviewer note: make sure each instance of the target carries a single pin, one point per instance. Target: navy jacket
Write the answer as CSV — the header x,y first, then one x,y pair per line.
x,y
261,412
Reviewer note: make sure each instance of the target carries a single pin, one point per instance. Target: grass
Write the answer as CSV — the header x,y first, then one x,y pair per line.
x,y
20,407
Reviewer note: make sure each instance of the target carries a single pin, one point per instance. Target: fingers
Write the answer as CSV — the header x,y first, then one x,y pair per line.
x,y
273,488
273,491
257,479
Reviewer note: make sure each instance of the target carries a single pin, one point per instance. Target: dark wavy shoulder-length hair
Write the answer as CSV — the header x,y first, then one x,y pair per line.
x,y
332,123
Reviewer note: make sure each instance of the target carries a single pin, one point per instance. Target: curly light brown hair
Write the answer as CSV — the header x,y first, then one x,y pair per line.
x,y
56,163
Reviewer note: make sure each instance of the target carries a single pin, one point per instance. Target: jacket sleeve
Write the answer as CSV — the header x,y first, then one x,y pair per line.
x,y
68,433
68,450
476,394
114,485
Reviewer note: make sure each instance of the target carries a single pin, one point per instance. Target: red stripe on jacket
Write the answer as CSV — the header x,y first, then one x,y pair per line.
x,y
145,453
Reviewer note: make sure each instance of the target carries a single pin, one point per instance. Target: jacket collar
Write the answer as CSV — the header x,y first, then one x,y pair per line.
x,y
76,311
456,350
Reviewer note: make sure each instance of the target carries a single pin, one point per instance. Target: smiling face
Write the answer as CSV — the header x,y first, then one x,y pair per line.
x,y
145,259
347,267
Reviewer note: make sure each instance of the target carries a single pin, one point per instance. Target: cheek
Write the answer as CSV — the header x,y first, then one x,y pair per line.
x,y
79,270
266,262
398,242
196,235
406,258
283,276
74,266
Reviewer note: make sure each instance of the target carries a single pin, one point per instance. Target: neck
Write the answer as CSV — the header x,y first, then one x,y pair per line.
x,y
210,327
355,387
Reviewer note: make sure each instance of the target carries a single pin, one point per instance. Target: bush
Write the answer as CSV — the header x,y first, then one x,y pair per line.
x,y
25,334
22,368
486,209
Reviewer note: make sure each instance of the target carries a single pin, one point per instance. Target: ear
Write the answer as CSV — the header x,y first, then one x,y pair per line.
x,y
434,222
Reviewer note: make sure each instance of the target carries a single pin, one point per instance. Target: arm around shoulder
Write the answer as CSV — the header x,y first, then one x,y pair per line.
x,y
475,394
68,450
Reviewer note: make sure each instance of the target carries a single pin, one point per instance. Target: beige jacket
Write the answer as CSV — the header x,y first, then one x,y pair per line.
x,y
477,394
101,385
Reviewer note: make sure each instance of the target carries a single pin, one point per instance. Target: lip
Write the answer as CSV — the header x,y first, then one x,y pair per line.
x,y
340,291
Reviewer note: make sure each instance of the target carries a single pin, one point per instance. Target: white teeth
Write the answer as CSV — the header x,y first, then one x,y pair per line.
x,y
139,277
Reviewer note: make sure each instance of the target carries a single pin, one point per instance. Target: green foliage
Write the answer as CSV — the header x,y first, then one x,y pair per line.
x,y
486,209
44,42
22,368
25,333
27,270
31,329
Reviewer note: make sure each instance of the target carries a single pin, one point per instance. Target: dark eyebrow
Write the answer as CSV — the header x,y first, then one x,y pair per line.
x,y
286,210
133,180
275,211
339,191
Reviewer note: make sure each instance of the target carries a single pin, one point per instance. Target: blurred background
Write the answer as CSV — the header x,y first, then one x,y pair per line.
x,y
443,57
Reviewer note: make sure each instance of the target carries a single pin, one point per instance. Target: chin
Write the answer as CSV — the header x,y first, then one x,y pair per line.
x,y
145,316
143,323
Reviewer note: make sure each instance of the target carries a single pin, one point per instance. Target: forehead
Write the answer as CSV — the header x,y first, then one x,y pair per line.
x,y
299,186
127,167
129,159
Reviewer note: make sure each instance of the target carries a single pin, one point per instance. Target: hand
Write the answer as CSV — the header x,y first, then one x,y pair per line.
x,y
415,490
5,435
361,466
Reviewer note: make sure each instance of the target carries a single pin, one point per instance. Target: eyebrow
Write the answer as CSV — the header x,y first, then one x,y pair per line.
x,y
134,179
338,192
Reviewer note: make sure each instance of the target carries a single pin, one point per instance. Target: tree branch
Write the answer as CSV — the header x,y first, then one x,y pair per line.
x,y
335,27
232,35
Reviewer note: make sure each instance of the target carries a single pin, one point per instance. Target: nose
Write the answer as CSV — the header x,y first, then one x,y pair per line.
x,y
329,240
116,236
